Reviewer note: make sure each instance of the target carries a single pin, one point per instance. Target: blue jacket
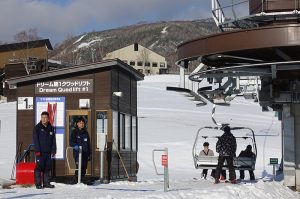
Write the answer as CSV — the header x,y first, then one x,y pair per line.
x,y
81,137
44,138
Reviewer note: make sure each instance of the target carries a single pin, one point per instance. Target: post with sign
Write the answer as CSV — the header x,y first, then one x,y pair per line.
x,y
164,161
274,162
165,164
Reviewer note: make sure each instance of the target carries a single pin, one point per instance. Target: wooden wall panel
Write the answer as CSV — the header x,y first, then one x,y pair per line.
x,y
125,100
102,88
133,97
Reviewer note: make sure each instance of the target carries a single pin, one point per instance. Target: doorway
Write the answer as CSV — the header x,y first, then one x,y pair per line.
x,y
72,116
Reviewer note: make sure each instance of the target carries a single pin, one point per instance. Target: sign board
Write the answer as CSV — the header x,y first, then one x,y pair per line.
x,y
55,106
164,160
25,103
65,86
273,160
101,141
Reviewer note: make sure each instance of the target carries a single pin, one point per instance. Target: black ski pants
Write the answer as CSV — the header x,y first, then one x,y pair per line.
x,y
42,169
229,161
251,173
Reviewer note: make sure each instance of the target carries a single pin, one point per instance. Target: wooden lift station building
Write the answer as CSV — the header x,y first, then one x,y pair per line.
x,y
104,93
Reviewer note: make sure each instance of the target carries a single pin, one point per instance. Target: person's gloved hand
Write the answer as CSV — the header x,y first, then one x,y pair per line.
x,y
76,148
37,157
89,158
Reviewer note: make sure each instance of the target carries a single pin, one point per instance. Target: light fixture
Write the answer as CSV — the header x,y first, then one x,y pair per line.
x,y
118,94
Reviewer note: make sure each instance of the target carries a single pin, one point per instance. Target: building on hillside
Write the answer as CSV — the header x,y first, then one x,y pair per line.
x,y
20,59
24,52
142,59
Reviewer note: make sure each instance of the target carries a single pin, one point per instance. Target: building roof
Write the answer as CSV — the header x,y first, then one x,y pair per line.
x,y
77,69
26,45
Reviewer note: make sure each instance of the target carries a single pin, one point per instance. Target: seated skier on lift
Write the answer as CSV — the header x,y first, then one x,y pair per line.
x,y
249,154
206,152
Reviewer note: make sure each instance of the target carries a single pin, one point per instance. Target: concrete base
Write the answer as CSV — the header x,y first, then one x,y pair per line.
x,y
291,147
288,147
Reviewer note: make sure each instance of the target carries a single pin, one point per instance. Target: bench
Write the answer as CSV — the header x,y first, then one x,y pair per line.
x,y
211,162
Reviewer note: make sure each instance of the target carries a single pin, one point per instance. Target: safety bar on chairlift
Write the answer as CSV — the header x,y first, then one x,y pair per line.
x,y
79,163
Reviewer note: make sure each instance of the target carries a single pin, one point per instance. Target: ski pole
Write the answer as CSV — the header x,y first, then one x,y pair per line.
x,y
129,179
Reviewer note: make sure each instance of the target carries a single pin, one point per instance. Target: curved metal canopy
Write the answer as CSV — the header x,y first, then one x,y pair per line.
x,y
258,45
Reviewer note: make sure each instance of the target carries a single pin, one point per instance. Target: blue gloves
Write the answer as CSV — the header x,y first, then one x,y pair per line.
x,y
76,148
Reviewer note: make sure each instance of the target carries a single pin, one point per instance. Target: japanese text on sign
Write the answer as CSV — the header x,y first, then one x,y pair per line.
x,y
65,86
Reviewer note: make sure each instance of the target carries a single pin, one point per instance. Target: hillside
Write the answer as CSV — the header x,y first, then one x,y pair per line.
x,y
162,37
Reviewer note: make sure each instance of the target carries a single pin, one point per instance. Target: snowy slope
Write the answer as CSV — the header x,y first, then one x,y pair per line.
x,y
167,119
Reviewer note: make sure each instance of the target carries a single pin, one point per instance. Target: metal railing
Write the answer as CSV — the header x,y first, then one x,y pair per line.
x,y
26,151
79,162
166,167
234,11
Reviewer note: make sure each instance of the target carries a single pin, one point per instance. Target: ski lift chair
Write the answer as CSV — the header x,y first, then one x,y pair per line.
x,y
211,162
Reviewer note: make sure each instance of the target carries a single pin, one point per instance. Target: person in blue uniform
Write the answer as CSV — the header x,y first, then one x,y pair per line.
x,y
45,149
80,137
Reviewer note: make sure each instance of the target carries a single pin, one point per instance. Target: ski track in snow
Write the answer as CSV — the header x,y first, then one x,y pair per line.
x,y
78,40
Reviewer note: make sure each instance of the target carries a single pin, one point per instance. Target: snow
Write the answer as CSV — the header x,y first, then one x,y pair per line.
x,y
152,45
78,40
164,31
87,44
168,119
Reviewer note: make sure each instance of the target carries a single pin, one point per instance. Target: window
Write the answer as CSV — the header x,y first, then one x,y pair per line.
x,y
147,64
132,63
101,121
148,71
122,131
116,130
101,127
134,133
154,64
136,47
127,132
162,64
140,63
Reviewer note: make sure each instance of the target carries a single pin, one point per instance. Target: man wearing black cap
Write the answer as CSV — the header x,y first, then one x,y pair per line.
x,y
226,147
80,137
247,153
45,149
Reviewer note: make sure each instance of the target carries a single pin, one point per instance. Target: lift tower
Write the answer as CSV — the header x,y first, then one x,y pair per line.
x,y
264,42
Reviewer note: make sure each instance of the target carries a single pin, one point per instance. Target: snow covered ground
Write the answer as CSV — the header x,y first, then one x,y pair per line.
x,y
168,119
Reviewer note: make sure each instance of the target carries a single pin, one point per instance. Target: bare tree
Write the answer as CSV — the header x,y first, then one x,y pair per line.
x,y
27,35
144,55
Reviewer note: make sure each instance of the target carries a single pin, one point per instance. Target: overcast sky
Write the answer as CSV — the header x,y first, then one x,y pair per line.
x,y
55,19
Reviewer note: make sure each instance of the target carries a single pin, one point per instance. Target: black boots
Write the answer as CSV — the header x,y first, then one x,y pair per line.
x,y
38,186
48,186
